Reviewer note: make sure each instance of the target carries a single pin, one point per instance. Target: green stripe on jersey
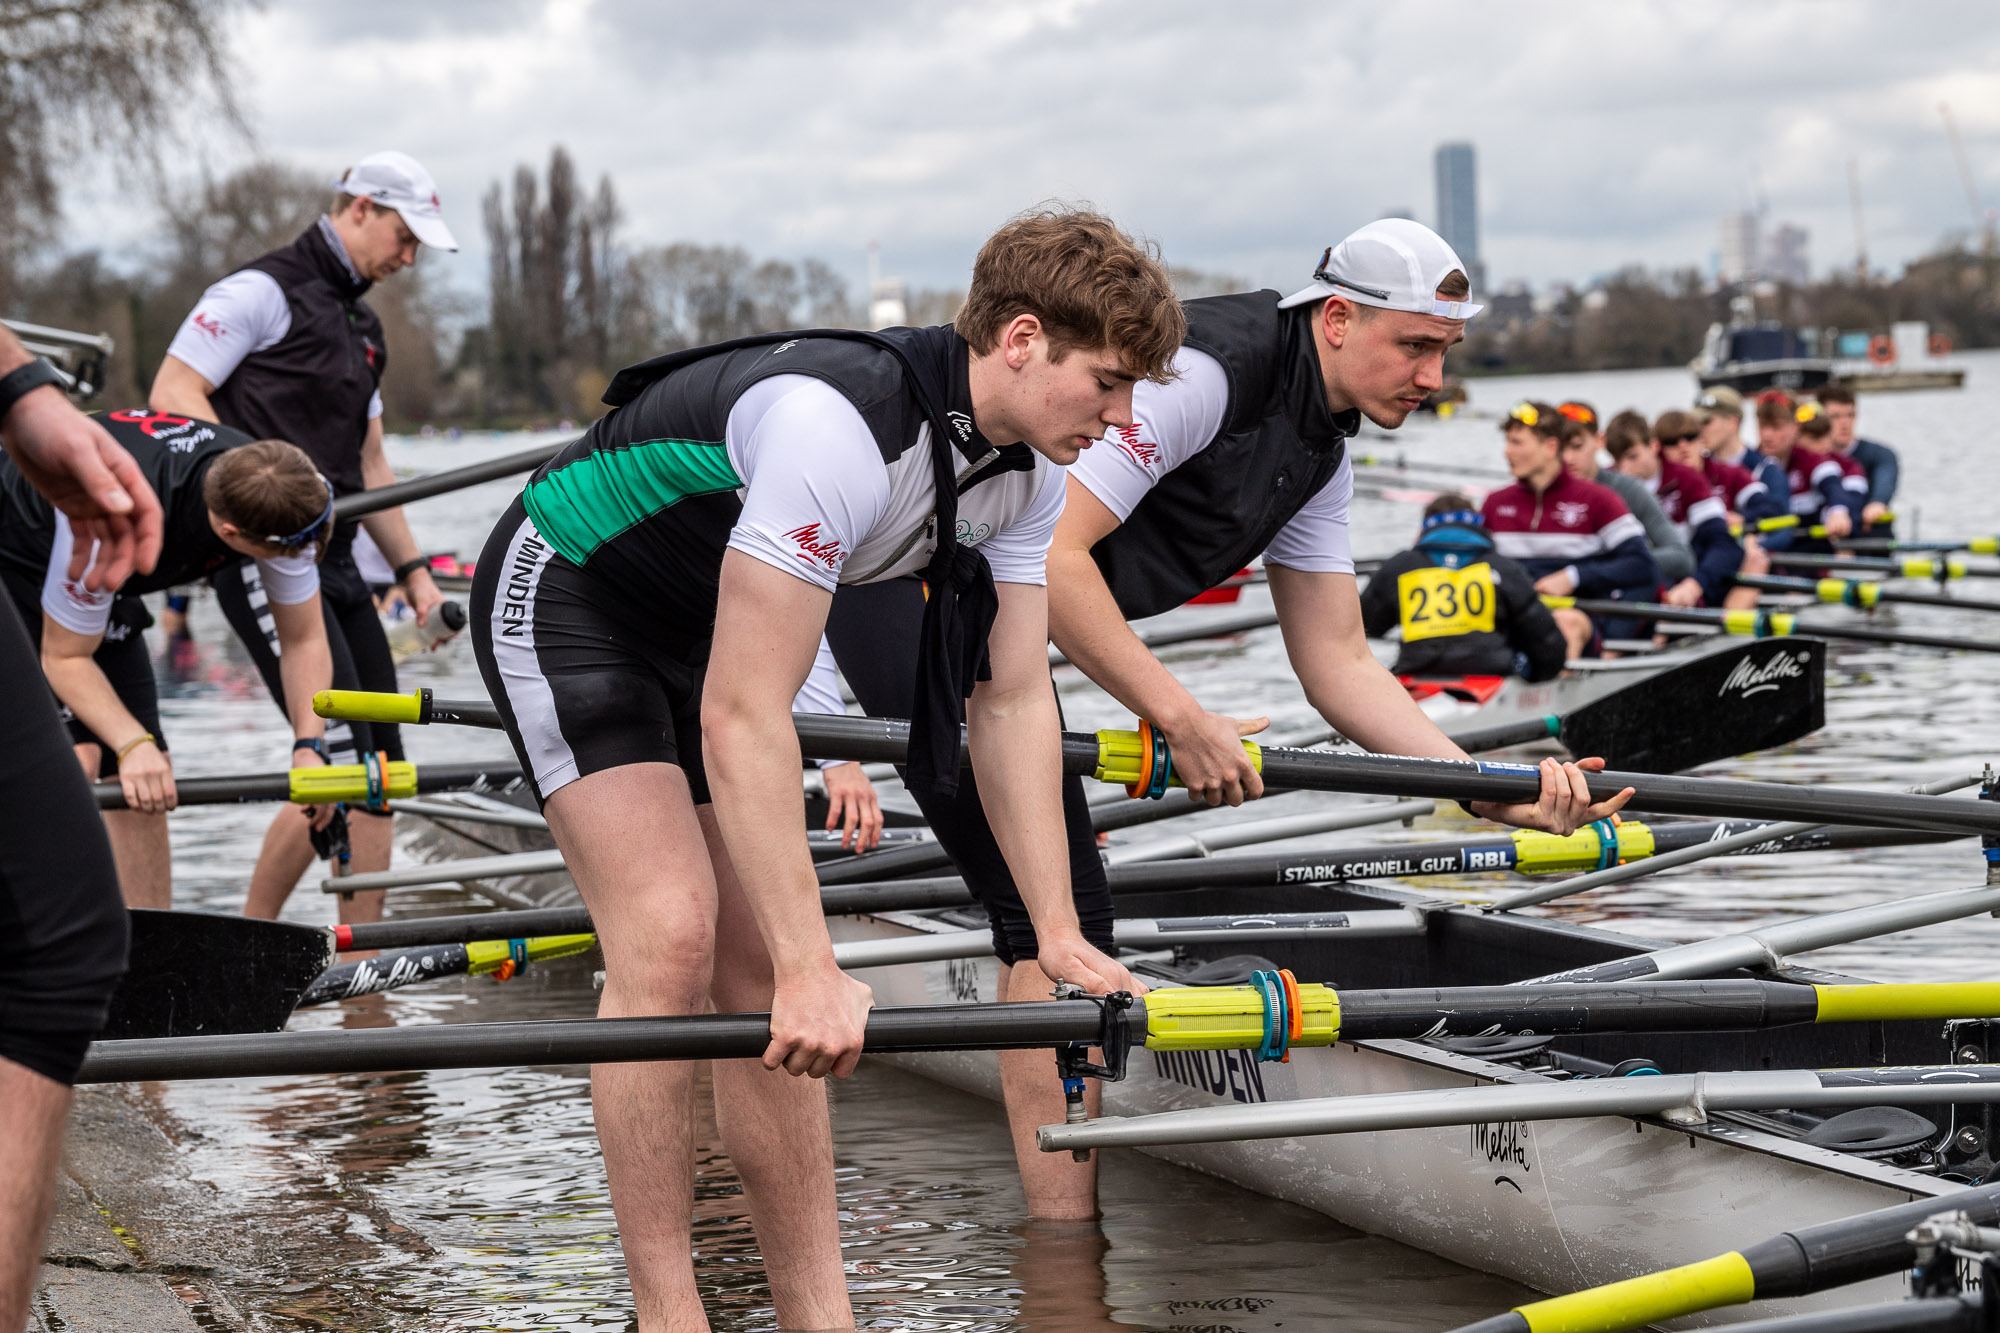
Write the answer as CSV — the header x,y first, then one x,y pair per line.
x,y
586,503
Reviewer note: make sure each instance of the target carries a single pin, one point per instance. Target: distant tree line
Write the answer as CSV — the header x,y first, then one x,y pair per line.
x,y
1637,319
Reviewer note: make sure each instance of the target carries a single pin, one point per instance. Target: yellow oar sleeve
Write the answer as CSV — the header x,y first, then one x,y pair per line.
x,y
1984,546
349,782
1922,1000
483,956
1121,755
1225,1018
1538,853
363,706
1950,568
1651,1299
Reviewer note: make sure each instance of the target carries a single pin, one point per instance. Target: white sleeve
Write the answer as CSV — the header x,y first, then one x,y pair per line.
x,y
1019,552
243,313
374,403
821,693
289,579
813,480
1315,541
71,605
1171,423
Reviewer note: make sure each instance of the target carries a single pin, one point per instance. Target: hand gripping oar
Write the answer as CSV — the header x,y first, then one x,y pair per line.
x,y
439,483
1764,624
1863,593
1720,846
1793,1263
1130,758
1269,1017
1751,696
374,781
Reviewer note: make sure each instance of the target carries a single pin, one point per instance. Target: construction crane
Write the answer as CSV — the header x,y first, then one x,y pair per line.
x,y
1981,221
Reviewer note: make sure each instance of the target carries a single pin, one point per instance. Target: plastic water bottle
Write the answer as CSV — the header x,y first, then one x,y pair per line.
x,y
407,637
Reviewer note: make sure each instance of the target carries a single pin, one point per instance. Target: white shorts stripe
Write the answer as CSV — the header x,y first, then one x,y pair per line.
x,y
513,637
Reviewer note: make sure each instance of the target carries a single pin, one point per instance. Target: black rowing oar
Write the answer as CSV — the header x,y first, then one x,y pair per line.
x,y
1974,545
1861,593
439,483
336,782
1794,1263
1919,567
481,956
1751,696
1121,756
1268,1017
1765,624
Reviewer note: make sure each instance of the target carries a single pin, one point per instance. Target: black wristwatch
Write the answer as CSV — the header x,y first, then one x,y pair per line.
x,y
317,744
24,380
411,566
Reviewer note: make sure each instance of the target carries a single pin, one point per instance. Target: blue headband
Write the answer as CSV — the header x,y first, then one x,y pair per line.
x,y
1456,518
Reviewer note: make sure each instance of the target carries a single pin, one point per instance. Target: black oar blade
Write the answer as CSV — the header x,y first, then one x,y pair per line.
x,y
1751,697
196,972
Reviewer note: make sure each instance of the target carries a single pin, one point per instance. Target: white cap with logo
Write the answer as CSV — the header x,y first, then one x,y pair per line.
x,y
399,181
1393,264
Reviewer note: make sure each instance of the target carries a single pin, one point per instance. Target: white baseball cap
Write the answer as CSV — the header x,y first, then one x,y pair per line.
x,y
1393,264
399,181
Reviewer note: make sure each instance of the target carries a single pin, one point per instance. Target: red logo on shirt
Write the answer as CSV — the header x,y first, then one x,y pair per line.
x,y
157,425
1143,452
828,553
208,324
78,597
368,350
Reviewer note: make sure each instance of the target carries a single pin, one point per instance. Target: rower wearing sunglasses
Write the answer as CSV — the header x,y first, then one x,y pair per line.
x,y
228,501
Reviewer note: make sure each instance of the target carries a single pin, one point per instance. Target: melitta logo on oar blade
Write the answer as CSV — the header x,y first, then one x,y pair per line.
x,y
1749,697
1749,677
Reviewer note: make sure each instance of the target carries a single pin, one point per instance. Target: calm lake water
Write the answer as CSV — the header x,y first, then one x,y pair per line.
x,y
476,1200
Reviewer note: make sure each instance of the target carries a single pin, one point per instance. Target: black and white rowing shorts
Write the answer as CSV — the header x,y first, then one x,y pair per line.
x,y
582,680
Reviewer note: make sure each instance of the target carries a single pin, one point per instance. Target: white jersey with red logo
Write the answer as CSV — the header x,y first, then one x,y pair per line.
x,y
1173,422
819,504
1686,497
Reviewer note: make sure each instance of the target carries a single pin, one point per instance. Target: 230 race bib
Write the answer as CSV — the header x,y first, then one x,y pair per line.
x,y
1437,602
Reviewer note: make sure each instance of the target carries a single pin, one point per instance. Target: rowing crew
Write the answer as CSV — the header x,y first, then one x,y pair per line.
x,y
1660,526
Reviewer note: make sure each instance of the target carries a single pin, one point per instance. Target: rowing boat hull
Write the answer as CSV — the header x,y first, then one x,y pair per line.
x,y
1555,1205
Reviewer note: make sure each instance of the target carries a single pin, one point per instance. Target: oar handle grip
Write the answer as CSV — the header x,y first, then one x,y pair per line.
x,y
1143,762
411,709
371,783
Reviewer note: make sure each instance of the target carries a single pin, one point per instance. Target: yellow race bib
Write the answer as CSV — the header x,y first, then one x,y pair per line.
x,y
1437,602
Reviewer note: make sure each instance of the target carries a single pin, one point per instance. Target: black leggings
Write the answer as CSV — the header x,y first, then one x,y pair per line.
x,y
873,630
60,911
361,656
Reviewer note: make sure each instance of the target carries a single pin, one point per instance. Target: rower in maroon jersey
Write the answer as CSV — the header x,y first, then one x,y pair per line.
x,y
1819,494
1690,504
1745,498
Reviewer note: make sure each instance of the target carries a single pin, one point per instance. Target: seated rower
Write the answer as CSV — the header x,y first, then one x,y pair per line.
x,y
1816,434
1816,483
1878,461
226,499
1574,537
1689,502
1582,444
1465,609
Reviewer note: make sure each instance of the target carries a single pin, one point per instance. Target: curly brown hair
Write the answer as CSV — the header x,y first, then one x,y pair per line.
x,y
1089,284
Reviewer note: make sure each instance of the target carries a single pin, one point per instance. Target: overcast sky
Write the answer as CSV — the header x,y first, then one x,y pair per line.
x,y
1242,136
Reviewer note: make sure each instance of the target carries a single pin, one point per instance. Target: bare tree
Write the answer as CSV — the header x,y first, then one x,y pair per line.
x,y
83,75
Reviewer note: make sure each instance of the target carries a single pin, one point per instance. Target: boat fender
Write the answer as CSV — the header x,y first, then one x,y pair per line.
x,y
1940,344
1881,351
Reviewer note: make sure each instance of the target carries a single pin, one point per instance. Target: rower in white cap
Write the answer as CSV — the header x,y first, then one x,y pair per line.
x,y
286,348
1241,454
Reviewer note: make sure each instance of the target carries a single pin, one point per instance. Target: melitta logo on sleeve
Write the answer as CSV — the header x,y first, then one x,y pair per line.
x,y
1748,678
812,547
1142,451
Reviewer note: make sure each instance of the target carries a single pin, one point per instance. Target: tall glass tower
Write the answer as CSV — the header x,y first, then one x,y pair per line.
x,y
1458,205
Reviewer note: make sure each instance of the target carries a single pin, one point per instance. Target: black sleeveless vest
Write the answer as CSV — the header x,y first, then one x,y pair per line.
x,y
312,388
1279,444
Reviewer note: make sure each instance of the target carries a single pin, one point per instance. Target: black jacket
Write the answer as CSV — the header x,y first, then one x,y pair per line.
x,y
1524,640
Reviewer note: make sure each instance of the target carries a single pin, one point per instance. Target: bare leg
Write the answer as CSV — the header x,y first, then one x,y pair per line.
x,y
776,1128
140,845
29,1150
287,854
1576,630
635,850
1057,1187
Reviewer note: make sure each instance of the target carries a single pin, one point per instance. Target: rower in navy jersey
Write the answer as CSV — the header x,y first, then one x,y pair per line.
x,y
1751,485
1815,483
1877,460
1453,624
1574,537
1690,504
227,500
1816,434
1241,453
645,613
